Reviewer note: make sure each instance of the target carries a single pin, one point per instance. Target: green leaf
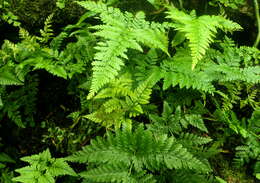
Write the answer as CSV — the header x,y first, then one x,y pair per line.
x,y
178,39
5,158
220,180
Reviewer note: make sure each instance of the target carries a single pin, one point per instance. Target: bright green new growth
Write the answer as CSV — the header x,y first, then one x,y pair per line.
x,y
134,152
200,31
120,32
121,101
43,169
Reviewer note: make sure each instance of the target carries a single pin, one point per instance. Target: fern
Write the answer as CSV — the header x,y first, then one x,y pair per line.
x,y
10,76
122,101
43,168
200,31
138,151
170,123
218,68
46,32
234,4
176,71
118,173
5,174
20,104
120,32
251,148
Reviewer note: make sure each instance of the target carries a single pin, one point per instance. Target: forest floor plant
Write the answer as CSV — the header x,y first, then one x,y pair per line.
x,y
162,95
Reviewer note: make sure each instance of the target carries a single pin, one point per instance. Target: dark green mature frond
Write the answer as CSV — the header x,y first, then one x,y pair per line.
x,y
138,150
200,31
120,31
176,71
118,173
20,104
173,123
192,139
251,147
218,67
190,177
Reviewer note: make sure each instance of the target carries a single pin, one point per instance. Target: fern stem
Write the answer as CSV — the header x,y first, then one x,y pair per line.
x,y
258,22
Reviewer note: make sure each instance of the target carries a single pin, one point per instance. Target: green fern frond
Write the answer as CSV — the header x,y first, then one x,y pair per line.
x,y
46,32
43,168
176,71
47,64
189,177
8,76
120,31
121,100
192,139
57,41
200,31
118,173
139,150
173,123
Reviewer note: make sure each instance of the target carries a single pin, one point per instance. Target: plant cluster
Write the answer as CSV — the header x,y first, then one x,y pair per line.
x,y
160,95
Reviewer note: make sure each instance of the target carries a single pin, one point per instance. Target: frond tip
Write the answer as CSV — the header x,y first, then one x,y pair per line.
x,y
200,31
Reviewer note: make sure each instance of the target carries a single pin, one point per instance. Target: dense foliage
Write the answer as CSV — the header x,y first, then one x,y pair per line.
x,y
129,91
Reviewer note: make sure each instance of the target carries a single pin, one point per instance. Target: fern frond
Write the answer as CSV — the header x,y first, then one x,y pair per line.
x,y
57,41
43,168
200,31
140,148
176,71
122,101
47,64
119,173
46,32
9,77
120,31
192,139
169,123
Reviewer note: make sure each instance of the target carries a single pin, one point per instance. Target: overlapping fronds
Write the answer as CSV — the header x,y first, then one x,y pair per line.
x,y
120,32
43,168
138,150
200,31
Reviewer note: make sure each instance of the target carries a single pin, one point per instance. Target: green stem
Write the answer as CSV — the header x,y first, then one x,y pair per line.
x,y
258,22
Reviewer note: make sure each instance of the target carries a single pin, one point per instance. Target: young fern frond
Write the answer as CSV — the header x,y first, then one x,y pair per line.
x,y
46,32
43,168
121,101
200,31
120,32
